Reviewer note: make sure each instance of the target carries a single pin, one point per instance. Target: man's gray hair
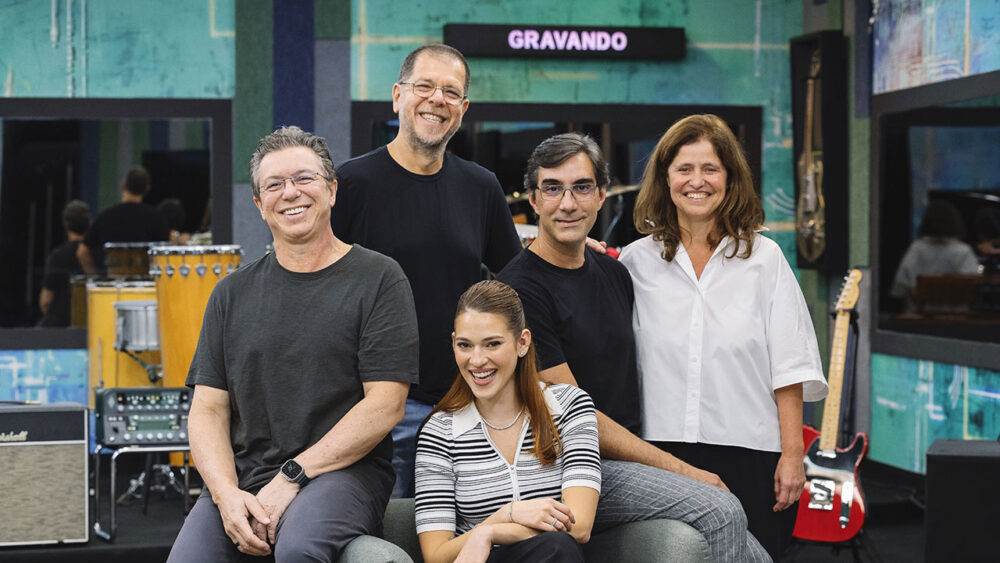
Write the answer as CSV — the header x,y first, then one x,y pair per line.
x,y
285,138
555,150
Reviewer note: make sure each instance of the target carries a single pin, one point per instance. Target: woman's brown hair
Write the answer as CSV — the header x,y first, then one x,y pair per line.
x,y
500,299
739,215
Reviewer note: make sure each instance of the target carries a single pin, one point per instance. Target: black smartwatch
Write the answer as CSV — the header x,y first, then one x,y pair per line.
x,y
293,472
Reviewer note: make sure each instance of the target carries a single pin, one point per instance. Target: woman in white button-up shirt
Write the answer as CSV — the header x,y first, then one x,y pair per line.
x,y
726,348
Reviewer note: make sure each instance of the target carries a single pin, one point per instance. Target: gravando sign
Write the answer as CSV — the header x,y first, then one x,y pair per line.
x,y
567,42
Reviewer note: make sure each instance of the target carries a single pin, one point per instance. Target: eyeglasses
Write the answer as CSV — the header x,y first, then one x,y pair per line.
x,y
583,190
426,90
299,181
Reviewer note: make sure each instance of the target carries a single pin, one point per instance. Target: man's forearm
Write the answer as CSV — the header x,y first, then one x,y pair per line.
x,y
212,451
618,443
356,434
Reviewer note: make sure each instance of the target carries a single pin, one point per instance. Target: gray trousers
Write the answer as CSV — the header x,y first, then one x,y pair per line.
x,y
632,491
329,512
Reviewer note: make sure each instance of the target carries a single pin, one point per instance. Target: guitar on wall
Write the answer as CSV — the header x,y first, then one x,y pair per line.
x,y
832,507
810,210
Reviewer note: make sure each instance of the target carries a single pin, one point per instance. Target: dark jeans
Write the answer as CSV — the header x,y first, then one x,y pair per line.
x,y
547,547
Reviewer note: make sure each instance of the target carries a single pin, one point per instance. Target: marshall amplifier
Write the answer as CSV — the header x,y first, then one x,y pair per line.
x,y
154,416
43,474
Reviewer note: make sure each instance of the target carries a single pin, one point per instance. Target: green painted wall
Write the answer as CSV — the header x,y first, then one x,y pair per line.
x,y
134,49
916,402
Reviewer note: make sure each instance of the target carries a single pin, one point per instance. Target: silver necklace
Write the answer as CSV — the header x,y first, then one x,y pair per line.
x,y
487,423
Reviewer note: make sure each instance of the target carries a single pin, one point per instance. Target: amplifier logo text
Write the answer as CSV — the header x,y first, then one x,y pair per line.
x,y
21,436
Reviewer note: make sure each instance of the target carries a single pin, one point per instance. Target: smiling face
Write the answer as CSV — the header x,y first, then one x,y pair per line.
x,y
427,124
566,221
697,181
486,352
295,214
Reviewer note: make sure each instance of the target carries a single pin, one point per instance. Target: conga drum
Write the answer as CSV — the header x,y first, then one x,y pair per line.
x,y
78,301
185,277
110,367
127,259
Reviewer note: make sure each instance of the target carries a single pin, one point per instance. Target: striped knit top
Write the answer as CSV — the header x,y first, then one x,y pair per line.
x,y
461,477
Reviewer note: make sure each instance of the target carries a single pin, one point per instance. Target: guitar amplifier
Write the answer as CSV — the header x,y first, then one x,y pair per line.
x,y
155,416
44,490
963,500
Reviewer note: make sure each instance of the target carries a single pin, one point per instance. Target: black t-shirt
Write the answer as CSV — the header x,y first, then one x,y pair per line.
x,y
293,349
125,222
583,317
441,228
59,266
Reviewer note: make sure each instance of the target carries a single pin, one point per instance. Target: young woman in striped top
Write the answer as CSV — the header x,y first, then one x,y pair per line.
x,y
507,469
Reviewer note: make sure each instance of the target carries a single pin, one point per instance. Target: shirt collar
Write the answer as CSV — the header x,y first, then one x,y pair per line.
x,y
469,417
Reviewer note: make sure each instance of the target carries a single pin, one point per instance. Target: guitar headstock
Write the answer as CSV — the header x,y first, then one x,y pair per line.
x,y
849,292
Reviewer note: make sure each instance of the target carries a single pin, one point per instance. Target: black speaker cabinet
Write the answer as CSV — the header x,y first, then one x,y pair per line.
x,y
819,135
43,474
963,500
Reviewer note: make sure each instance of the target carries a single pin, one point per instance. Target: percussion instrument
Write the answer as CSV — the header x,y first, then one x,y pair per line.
x,y
110,367
136,328
78,301
127,259
184,278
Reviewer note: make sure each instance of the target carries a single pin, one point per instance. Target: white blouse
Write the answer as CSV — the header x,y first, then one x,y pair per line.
x,y
711,351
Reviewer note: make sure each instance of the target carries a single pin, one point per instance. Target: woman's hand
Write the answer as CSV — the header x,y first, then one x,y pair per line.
x,y
477,546
544,515
789,478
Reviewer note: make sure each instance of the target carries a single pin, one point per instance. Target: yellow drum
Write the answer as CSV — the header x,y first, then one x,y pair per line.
x,y
185,277
110,367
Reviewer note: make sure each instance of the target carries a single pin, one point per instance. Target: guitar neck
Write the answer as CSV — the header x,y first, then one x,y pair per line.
x,y
831,409
807,136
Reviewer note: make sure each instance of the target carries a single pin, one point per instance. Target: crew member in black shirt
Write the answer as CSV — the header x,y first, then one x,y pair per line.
x,y
129,221
61,264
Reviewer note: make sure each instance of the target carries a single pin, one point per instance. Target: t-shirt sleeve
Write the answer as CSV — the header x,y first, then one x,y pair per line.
x,y
52,277
502,242
581,455
208,365
540,316
389,347
791,339
434,479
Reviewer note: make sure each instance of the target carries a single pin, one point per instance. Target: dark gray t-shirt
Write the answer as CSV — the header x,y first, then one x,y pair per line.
x,y
292,349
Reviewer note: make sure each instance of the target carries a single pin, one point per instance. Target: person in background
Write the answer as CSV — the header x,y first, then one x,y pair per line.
x,y
726,348
61,264
578,304
129,221
939,249
173,211
507,468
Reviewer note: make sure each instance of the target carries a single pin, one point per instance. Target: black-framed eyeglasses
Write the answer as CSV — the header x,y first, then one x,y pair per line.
x,y
299,180
426,90
581,190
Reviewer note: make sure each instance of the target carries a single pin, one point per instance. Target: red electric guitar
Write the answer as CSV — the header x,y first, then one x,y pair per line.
x,y
832,508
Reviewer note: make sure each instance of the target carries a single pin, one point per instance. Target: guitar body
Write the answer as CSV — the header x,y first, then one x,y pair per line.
x,y
830,471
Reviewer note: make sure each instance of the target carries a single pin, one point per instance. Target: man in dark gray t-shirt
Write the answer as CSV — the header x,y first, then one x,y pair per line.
x,y
303,364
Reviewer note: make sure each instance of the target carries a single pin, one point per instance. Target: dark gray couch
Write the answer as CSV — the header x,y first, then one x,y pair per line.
x,y
652,540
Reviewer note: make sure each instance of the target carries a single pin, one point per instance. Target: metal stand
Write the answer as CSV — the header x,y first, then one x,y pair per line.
x,y
110,534
859,542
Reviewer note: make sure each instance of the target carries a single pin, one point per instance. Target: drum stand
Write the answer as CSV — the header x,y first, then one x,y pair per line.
x,y
157,477
153,371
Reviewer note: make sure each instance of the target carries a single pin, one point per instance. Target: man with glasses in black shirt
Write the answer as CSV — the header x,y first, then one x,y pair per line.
x,y
439,216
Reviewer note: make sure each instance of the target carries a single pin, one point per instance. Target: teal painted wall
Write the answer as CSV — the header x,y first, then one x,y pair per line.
x,y
916,402
135,49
